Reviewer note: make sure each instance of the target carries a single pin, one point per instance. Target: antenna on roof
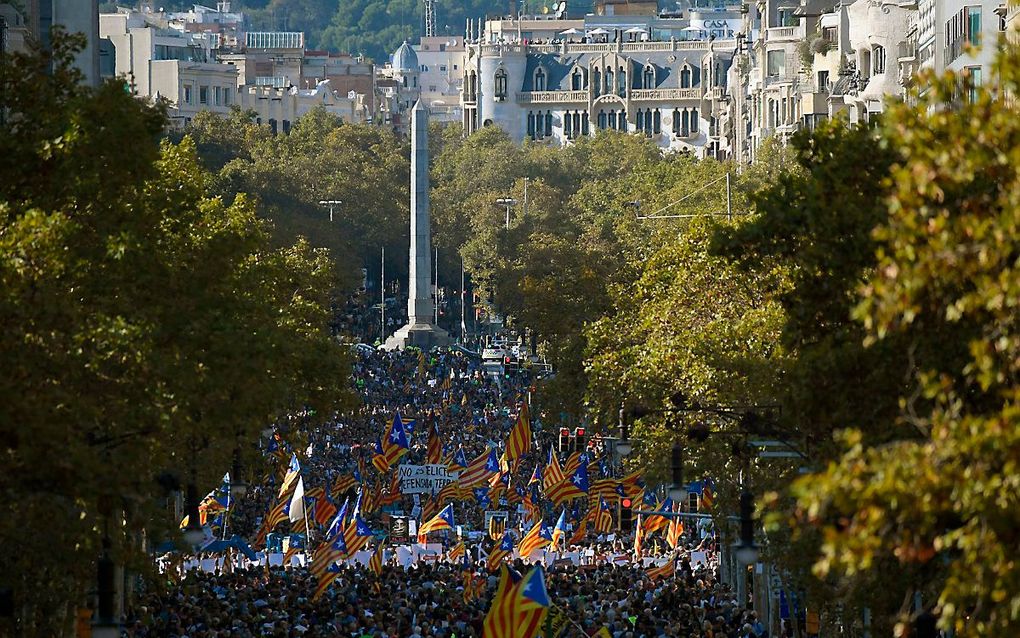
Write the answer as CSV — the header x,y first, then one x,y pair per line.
x,y
430,18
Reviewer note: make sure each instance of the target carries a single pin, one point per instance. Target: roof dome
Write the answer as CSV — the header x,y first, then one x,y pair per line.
x,y
405,59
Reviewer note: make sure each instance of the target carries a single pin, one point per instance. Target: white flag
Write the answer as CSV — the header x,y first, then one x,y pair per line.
x,y
296,511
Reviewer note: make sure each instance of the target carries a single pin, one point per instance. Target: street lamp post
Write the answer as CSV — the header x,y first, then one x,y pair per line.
x,y
509,202
331,203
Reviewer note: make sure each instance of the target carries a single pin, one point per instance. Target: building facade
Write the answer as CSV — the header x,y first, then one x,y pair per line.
x,y
28,21
651,75
441,68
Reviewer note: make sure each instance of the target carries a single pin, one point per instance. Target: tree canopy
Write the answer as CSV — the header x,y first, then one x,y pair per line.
x,y
152,331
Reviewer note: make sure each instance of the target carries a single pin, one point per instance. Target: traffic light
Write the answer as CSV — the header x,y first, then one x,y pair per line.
x,y
579,440
626,515
564,442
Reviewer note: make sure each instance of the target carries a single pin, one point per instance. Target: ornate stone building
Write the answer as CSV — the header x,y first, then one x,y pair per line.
x,y
616,74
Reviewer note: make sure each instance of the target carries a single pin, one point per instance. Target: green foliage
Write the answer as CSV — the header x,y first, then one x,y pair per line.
x,y
363,166
149,329
946,283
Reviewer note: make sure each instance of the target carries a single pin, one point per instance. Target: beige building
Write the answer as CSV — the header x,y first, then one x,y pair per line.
x,y
441,65
279,108
163,63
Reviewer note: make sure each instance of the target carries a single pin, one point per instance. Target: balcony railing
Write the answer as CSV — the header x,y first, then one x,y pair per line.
x,y
551,97
607,47
640,95
786,33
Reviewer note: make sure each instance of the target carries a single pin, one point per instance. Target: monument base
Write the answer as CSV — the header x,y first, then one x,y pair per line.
x,y
420,335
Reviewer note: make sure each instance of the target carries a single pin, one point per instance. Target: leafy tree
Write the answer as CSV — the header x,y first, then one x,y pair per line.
x,y
151,332
947,284
322,158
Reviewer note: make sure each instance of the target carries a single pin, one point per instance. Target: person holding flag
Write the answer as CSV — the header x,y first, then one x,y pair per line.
x,y
575,487
442,520
559,530
481,470
538,537
500,552
518,608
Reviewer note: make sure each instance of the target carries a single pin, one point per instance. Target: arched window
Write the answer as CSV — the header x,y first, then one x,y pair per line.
x,y
585,124
474,87
405,81
577,80
648,78
539,79
621,82
656,122
610,87
548,123
500,81
531,125
694,121
685,77
603,120
596,82
612,119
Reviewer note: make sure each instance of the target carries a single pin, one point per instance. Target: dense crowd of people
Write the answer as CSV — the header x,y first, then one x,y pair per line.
x,y
444,391
428,601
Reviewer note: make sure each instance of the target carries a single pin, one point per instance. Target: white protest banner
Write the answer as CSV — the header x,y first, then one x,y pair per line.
x,y
424,479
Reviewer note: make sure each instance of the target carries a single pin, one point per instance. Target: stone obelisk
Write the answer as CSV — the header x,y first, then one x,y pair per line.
x,y
419,331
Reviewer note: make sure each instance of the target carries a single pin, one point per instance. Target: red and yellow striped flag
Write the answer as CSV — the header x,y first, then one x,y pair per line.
x,y
519,442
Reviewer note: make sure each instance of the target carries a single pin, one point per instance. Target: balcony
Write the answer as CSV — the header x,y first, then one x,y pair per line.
x,y
788,34
607,47
552,97
662,95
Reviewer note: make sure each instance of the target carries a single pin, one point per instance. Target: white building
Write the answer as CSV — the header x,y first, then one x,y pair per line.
x,y
279,108
946,27
160,62
441,66
558,80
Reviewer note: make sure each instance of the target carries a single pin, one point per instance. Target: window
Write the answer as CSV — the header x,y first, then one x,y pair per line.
x,y
532,130
576,80
610,81
878,59
500,85
272,126
685,77
972,80
217,95
228,95
596,82
823,81
656,122
694,121
442,67
540,79
548,123
454,67
203,95
187,94
286,126
621,83
424,69
648,77
974,25
603,120
432,88
776,63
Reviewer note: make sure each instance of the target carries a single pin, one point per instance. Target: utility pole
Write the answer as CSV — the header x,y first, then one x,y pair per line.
x,y
435,266
382,297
